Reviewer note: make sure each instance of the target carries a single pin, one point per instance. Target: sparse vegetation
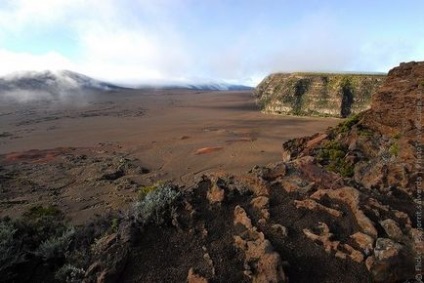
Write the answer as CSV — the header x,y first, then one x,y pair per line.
x,y
39,212
394,149
70,274
332,156
43,236
144,191
346,125
9,255
55,248
157,204
115,224
39,236
263,101
43,239
365,133
331,150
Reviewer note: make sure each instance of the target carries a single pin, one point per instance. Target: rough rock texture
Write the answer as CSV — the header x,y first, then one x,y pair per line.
x,y
195,278
377,158
262,263
398,103
317,94
232,241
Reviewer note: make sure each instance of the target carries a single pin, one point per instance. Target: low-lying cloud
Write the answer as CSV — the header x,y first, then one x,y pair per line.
x,y
141,41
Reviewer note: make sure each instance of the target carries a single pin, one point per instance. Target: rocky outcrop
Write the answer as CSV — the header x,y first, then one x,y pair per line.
x,y
376,156
397,106
317,94
262,263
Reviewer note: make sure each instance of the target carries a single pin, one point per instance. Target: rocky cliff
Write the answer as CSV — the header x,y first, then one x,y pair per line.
x,y
317,94
378,155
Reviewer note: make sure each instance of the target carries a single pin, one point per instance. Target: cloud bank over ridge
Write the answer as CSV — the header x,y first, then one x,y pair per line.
x,y
186,40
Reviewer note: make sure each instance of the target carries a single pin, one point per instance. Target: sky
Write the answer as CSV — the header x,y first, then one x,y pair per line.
x,y
237,41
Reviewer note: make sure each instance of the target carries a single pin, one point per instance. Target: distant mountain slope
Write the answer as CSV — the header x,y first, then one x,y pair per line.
x,y
52,82
55,82
221,86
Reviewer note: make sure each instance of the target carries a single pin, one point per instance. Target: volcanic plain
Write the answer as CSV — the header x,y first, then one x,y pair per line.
x,y
91,152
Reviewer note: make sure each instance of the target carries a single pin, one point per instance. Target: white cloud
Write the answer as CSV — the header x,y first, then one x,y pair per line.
x,y
116,50
17,61
19,15
118,41
143,40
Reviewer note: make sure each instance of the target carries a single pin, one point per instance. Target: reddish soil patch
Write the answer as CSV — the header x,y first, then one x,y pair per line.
x,y
207,150
36,155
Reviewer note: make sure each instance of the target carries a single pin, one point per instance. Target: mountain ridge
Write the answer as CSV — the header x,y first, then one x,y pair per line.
x,y
52,82
65,80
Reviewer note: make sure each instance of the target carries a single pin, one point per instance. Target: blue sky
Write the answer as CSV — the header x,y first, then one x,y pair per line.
x,y
140,41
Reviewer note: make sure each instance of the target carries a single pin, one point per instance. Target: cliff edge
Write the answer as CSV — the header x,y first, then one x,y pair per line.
x,y
317,94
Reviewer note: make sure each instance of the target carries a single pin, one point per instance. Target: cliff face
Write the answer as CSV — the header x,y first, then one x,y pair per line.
x,y
378,155
397,106
317,94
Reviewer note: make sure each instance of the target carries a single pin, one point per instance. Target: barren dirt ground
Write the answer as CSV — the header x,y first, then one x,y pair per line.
x,y
176,135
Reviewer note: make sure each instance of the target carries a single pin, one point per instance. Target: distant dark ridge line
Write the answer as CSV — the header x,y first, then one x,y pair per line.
x,y
377,74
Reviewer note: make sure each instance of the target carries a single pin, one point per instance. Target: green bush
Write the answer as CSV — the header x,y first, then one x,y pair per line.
x,y
70,274
156,205
9,254
144,191
331,150
397,136
347,125
42,242
365,133
55,247
38,212
394,149
332,156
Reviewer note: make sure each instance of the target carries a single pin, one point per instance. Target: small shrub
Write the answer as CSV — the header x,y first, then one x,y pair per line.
x,y
156,204
115,224
41,224
56,247
365,133
70,274
341,167
331,150
332,156
37,212
144,191
394,149
347,125
9,254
